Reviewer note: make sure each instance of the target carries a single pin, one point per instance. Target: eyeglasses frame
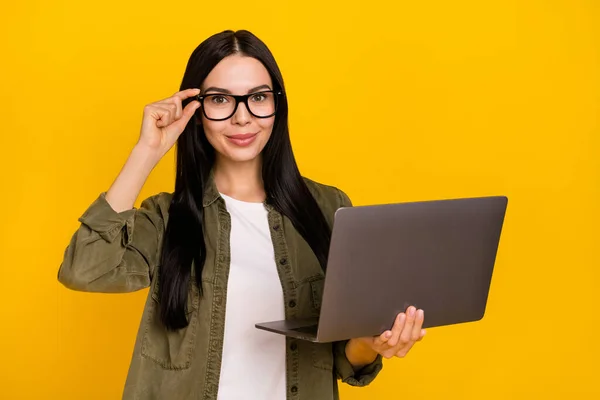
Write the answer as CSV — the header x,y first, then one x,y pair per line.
x,y
239,99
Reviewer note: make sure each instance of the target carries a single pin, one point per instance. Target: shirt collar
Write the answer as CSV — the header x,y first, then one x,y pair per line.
x,y
211,194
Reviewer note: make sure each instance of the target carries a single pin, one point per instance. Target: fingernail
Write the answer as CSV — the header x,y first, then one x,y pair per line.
x,y
411,311
420,313
388,334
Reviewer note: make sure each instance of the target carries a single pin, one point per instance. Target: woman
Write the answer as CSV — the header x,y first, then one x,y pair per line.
x,y
243,239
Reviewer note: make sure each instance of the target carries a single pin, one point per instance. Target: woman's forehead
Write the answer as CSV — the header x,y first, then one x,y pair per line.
x,y
238,74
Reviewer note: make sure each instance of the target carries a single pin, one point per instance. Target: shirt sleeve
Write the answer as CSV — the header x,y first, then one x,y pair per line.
x,y
343,367
114,252
344,200
345,370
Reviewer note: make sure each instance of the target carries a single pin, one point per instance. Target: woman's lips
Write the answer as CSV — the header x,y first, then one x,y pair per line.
x,y
242,140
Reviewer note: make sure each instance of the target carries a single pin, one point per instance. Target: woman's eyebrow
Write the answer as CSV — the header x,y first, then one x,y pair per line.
x,y
217,89
261,87
226,91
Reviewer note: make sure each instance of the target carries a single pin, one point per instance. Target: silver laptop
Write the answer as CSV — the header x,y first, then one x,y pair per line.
x,y
436,255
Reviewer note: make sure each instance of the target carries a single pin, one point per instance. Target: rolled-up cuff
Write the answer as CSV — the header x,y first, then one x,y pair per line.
x,y
346,372
101,218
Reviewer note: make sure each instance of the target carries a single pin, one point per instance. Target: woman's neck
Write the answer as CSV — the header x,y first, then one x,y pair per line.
x,y
240,180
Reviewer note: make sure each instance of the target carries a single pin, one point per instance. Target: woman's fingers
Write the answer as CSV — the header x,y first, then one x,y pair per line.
x,y
403,350
416,331
163,121
162,115
416,334
187,93
174,105
406,331
181,96
186,115
399,324
406,334
175,102
382,339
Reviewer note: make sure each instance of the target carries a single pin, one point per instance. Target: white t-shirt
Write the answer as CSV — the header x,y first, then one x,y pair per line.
x,y
253,361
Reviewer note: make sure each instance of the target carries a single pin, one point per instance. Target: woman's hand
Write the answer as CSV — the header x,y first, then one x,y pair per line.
x,y
165,120
162,124
397,342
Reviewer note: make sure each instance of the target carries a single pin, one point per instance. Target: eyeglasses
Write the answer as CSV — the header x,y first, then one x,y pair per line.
x,y
219,107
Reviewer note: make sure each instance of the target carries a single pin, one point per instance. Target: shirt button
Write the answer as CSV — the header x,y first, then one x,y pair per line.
x,y
276,227
292,304
294,347
283,261
294,389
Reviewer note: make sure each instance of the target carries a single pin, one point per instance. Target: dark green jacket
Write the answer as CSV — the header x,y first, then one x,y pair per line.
x,y
120,252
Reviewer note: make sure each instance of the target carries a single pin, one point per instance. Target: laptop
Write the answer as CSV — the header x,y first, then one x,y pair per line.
x,y
435,255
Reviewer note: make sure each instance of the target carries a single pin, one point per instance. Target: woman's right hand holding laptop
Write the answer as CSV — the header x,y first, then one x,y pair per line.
x,y
397,342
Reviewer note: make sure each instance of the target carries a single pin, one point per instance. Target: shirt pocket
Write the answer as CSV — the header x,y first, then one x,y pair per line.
x,y
322,353
171,350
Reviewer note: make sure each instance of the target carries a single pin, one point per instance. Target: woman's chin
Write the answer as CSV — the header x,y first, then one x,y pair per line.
x,y
242,155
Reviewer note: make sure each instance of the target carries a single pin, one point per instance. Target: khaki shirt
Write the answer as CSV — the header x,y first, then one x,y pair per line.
x,y
120,252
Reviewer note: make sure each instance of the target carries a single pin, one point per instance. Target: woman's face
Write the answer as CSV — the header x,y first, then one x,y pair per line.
x,y
242,137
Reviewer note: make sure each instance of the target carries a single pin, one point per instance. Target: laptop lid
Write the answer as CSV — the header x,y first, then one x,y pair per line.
x,y
436,255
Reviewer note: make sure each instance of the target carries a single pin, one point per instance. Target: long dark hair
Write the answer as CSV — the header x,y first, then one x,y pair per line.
x,y
286,191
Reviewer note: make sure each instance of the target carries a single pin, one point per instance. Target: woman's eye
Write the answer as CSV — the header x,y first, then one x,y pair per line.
x,y
259,97
219,99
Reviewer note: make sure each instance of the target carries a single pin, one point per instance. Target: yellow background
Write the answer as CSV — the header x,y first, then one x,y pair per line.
x,y
390,101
